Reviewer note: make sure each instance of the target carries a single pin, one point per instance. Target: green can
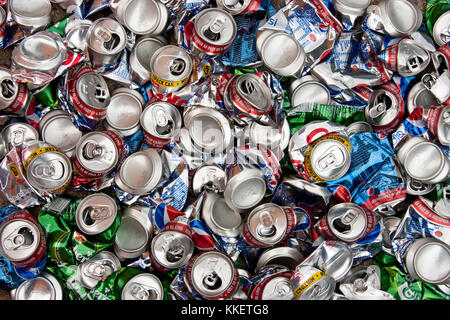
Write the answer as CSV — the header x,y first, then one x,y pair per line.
x,y
436,18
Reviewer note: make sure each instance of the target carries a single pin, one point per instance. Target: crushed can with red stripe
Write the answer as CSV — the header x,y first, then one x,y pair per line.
x,y
438,122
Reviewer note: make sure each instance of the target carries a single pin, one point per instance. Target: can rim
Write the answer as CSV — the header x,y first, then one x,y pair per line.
x,y
155,281
120,29
140,102
179,263
169,108
30,20
52,281
431,177
346,205
78,214
135,64
183,53
215,10
277,252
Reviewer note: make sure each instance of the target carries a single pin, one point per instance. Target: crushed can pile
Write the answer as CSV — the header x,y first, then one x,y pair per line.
x,y
225,150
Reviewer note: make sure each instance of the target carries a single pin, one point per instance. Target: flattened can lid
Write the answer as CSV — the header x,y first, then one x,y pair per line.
x,y
43,51
96,213
347,221
43,287
171,66
285,256
311,91
35,13
428,260
144,286
141,55
220,218
141,172
106,36
57,129
396,24
93,91
141,16
209,177
420,96
246,188
97,268
134,232
328,157
161,119
411,58
212,274
124,110
310,283
17,134
441,34
358,127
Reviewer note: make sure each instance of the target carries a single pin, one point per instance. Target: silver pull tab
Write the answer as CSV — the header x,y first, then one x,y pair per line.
x,y
377,110
99,212
95,269
92,150
266,227
231,3
360,285
17,137
140,292
215,28
428,80
177,66
413,63
344,223
21,237
333,158
163,123
445,35
8,89
53,170
211,279
109,38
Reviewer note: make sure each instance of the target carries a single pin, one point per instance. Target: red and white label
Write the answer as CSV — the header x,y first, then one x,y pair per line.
x,y
208,47
428,214
20,101
258,291
433,118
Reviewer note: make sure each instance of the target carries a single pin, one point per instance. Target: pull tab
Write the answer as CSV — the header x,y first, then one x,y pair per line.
x,y
281,289
21,237
378,109
266,227
139,292
413,63
360,285
231,3
164,124
248,87
417,185
8,89
386,210
95,269
53,170
344,223
211,279
92,150
177,66
428,80
333,158
101,93
215,28
109,38
92,214
173,248
17,137
442,207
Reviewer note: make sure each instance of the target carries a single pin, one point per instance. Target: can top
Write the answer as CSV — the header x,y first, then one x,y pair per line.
x,y
134,231
43,287
141,16
209,177
30,13
161,119
420,96
443,129
246,189
220,218
76,33
347,221
267,223
212,273
330,158
106,36
8,88
57,129
97,152
95,213
441,34
16,134
142,53
254,91
125,108
285,256
98,267
424,161
269,136
429,260
140,172
416,187
382,109
171,63
310,92
43,51
19,239
405,23
234,7
49,170
412,58
209,129
215,26
358,127
172,249
277,288
93,90
144,286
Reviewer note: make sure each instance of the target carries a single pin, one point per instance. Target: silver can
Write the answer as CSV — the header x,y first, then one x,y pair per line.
x,y
212,274
442,206
144,286
97,268
308,90
14,96
352,7
438,84
285,256
441,28
428,260
39,56
47,168
76,32
310,283
171,67
269,44
219,217
420,96
210,177
106,39
96,213
276,286
245,188
268,224
173,247
161,122
17,134
438,122
213,33
140,173
31,13
209,129
406,57
124,111
390,225
399,25
134,233
44,287
417,188
57,129
358,127
237,7
276,139
141,16
141,56
97,153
